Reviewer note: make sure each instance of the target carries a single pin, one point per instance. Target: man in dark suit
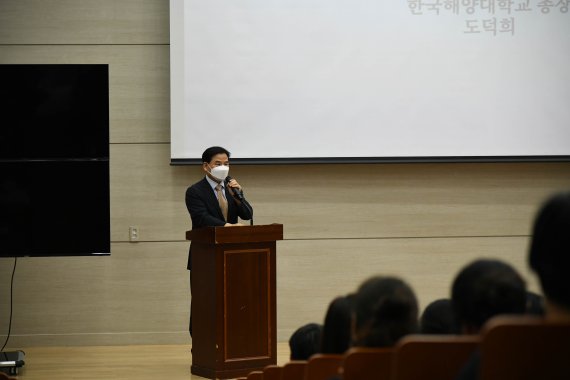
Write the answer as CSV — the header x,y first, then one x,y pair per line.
x,y
214,201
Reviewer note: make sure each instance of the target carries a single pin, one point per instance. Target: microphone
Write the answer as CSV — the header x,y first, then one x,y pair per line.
x,y
239,195
237,192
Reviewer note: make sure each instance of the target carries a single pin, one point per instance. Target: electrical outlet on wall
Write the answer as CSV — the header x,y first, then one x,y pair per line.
x,y
133,233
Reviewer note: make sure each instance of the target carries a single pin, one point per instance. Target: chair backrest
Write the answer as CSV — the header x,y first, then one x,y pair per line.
x,y
272,372
323,366
255,375
525,348
367,363
432,356
294,370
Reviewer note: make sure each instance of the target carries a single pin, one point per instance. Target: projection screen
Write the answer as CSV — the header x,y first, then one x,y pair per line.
x,y
342,80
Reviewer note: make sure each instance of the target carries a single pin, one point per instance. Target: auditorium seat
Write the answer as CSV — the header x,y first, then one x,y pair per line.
x,y
255,375
294,370
272,372
525,348
430,357
323,366
366,363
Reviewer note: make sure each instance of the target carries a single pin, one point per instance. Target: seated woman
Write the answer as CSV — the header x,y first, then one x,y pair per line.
x,y
336,335
386,309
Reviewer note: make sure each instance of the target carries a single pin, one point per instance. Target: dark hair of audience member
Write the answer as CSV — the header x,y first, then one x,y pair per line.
x,y
550,251
305,341
534,304
336,336
484,289
386,309
438,318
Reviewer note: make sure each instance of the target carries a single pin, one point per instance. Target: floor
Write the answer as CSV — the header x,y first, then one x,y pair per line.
x,y
115,362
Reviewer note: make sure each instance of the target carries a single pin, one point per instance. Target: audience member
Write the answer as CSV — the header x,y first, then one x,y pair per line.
x,y
336,329
483,289
305,341
386,309
534,304
549,255
438,318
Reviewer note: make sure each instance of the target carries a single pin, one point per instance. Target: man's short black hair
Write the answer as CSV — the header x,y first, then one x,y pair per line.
x,y
212,151
550,249
484,289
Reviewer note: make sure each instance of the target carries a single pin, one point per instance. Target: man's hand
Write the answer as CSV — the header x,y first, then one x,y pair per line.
x,y
234,185
234,225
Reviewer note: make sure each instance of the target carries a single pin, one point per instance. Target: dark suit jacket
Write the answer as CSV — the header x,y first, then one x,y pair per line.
x,y
205,210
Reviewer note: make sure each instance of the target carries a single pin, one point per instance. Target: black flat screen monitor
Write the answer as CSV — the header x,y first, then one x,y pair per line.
x,y
54,160
54,111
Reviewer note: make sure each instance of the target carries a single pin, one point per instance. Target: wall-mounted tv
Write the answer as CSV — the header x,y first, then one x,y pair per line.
x,y
54,160
54,208
54,111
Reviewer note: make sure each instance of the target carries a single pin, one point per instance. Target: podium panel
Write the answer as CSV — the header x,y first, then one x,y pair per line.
x,y
233,299
247,302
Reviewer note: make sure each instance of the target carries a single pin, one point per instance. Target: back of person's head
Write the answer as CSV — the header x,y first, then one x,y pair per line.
x,y
336,329
212,151
484,289
438,318
534,304
550,249
386,309
305,341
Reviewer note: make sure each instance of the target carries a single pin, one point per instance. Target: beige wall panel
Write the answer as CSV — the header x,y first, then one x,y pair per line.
x,y
139,294
407,200
311,273
138,84
149,193
339,201
84,22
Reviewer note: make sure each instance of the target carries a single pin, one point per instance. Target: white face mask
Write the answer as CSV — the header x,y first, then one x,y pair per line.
x,y
220,172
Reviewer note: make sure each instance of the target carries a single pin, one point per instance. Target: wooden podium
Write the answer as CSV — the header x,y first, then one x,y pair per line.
x,y
233,299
